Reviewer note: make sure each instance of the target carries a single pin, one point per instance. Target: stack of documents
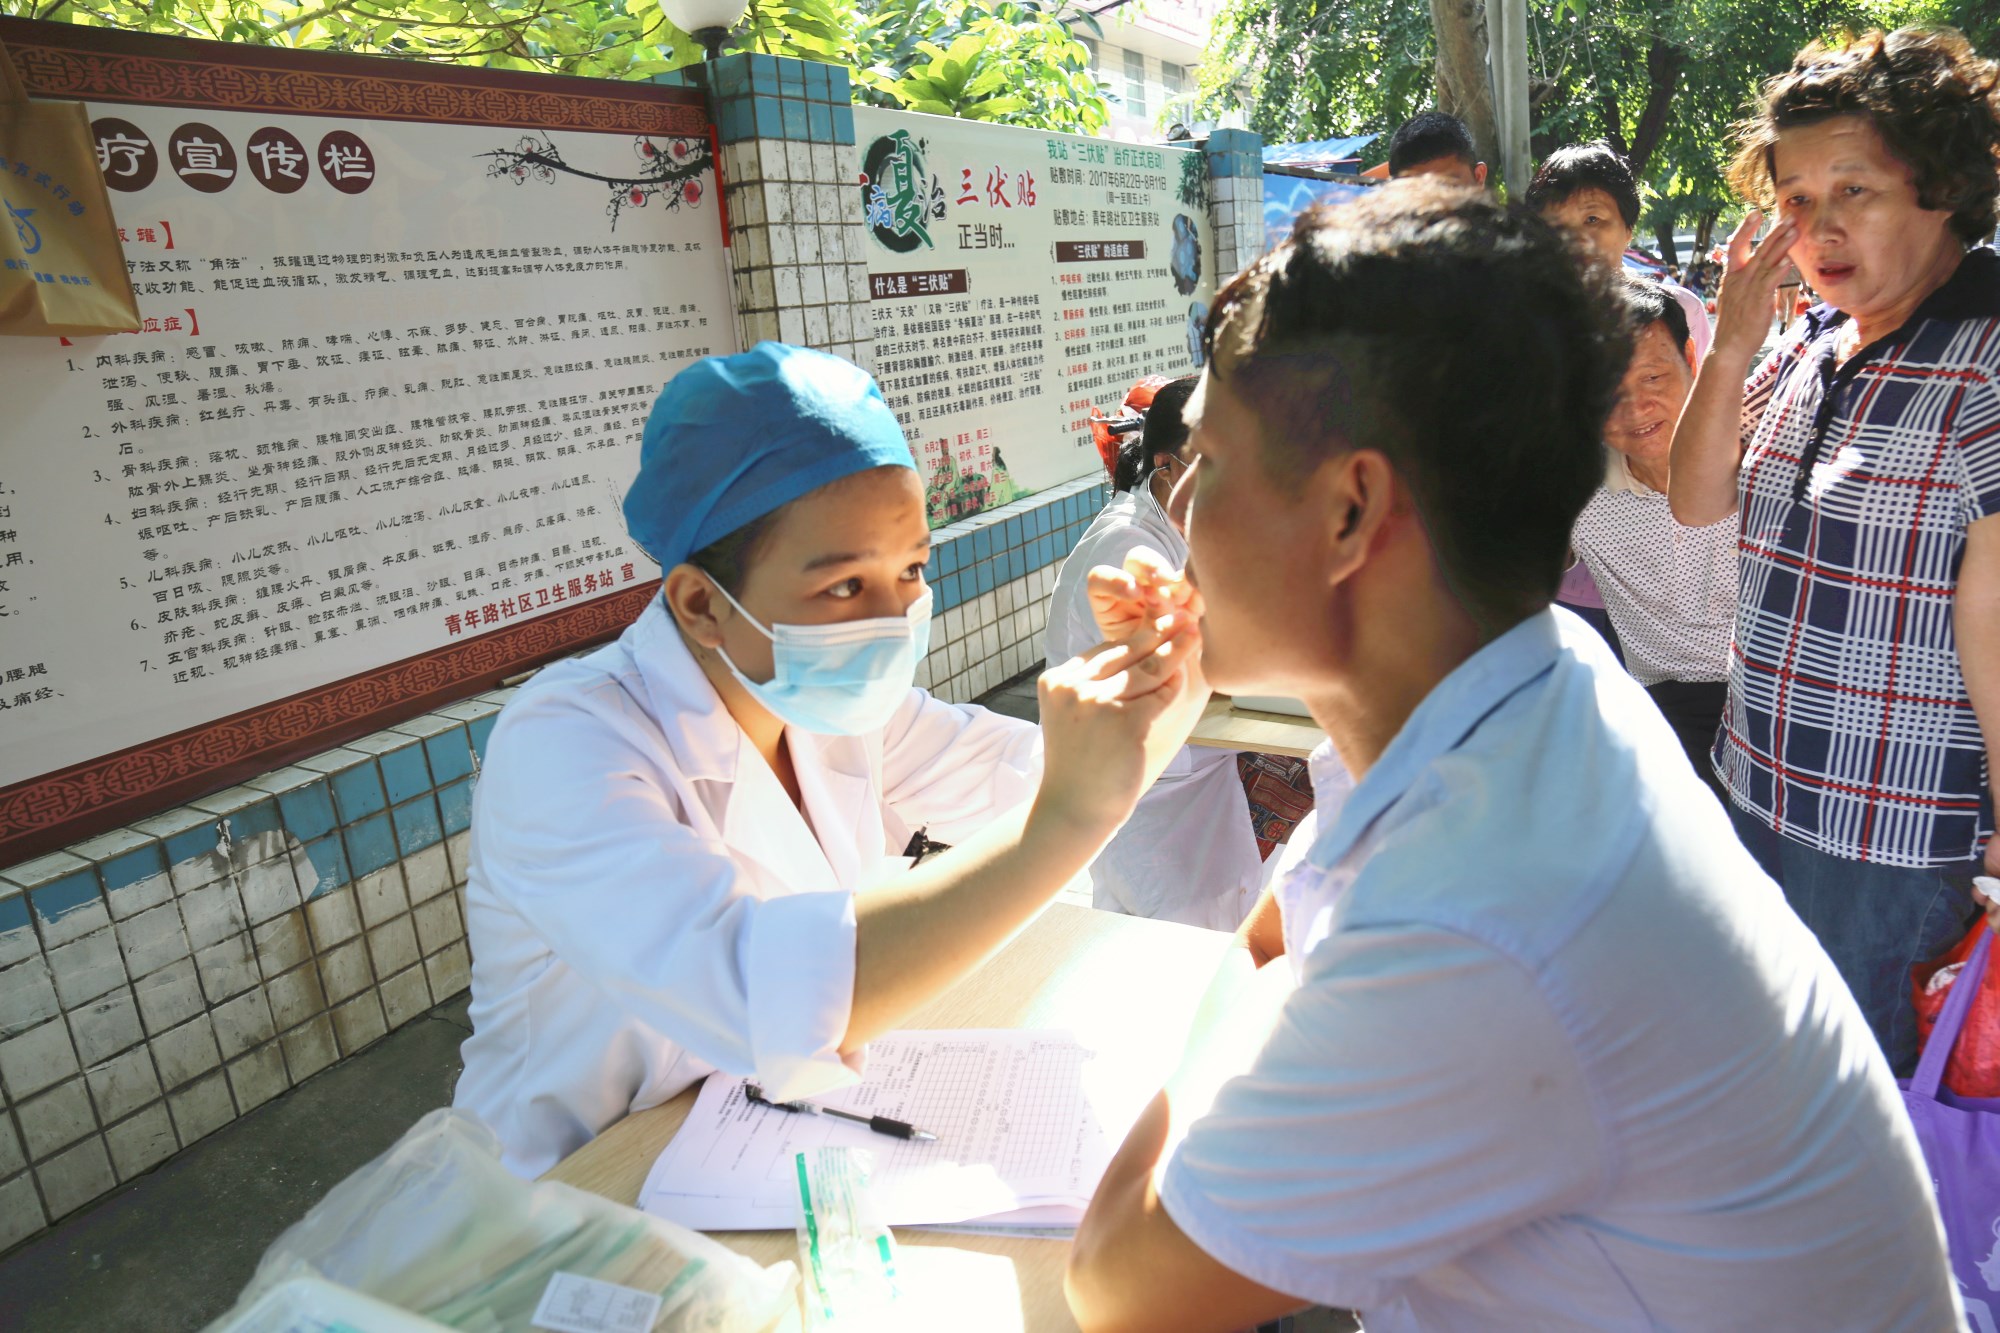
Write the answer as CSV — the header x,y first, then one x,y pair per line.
x,y
1026,1122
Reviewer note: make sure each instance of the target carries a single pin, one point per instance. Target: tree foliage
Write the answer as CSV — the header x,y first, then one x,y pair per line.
x,y
1663,80
1014,61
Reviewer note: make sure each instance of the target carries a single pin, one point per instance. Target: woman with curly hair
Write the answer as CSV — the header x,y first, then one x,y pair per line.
x,y
1863,461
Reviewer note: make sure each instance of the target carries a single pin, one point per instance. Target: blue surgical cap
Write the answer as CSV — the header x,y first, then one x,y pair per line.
x,y
733,438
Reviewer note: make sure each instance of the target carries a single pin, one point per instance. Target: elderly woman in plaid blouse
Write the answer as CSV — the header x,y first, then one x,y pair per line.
x,y
1862,459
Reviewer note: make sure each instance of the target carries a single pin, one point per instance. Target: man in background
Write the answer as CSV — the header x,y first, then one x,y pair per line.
x,y
1435,144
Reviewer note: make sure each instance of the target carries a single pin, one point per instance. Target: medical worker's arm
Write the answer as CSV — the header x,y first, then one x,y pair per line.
x,y
1708,442
1110,723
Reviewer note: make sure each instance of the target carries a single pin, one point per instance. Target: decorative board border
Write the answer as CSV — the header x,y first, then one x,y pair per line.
x,y
105,65
50,811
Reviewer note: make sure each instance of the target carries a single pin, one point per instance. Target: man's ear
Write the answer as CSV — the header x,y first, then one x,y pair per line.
x,y
1479,174
691,597
1357,493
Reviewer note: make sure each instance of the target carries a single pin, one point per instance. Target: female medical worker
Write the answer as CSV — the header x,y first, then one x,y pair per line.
x,y
669,833
1189,851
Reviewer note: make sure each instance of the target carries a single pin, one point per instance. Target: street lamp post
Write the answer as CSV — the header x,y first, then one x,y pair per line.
x,y
707,21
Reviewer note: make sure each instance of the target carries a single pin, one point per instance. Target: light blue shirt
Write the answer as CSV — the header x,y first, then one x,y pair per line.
x,y
1559,1054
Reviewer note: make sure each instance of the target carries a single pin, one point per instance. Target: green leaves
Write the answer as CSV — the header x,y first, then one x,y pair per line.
x,y
1013,61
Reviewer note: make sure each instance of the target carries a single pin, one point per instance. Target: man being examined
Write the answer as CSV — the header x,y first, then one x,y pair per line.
x,y
1543,1047
1434,143
1670,590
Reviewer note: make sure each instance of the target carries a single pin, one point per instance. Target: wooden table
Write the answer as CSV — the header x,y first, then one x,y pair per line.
x,y
1224,726
1126,986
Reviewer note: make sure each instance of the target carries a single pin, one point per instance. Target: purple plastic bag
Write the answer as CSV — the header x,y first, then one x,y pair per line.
x,y
1961,1142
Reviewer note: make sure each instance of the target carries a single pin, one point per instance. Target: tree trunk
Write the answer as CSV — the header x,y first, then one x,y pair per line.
x,y
1664,64
1704,232
1464,89
1664,233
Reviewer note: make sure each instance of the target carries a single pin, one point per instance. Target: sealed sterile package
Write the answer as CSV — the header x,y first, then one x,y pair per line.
x,y
438,1227
314,1305
848,1256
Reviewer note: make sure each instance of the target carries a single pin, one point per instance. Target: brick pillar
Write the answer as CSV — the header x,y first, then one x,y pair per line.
x,y
1236,199
790,180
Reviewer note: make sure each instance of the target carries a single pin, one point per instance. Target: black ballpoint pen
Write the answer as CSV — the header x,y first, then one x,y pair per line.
x,y
881,1124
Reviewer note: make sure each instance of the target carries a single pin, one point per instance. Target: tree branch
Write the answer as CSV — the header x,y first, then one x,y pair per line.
x,y
1664,64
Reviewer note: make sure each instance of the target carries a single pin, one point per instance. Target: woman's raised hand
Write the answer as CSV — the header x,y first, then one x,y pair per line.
x,y
1750,283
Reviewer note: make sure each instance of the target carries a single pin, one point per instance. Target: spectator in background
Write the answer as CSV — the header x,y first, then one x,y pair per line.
x,y
1432,143
1588,191
1189,852
1670,590
1862,461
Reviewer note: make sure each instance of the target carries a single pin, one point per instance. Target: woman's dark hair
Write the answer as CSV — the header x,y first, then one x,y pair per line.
x,y
1458,337
1586,166
727,560
1929,95
1165,432
1647,302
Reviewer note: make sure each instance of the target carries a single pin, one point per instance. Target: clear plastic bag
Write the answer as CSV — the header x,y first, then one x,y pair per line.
x,y
439,1227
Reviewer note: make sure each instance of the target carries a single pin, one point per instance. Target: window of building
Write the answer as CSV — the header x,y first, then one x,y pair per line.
x,y
1135,86
1174,77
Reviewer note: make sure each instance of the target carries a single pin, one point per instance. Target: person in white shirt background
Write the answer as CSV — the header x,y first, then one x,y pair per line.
x,y
1189,852
1542,1048
1670,590
684,844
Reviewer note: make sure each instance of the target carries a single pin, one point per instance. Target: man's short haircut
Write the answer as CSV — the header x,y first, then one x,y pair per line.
x,y
1164,433
1428,136
1586,166
1933,99
1647,303
1460,338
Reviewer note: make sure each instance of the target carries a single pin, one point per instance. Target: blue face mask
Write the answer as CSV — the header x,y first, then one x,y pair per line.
x,y
843,679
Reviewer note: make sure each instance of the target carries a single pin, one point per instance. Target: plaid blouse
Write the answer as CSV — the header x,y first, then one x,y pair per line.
x,y
1848,725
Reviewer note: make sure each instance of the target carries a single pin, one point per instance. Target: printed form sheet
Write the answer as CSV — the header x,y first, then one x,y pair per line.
x,y
1026,1122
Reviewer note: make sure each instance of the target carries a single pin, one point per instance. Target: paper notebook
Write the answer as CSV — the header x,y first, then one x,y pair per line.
x,y
1026,1123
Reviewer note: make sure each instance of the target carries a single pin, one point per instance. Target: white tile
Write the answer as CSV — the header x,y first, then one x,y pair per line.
x,y
169,996
380,895
186,1052
106,1026
392,946
268,889
459,848
36,1059
140,895
143,1142
227,968
202,1107
343,971
151,940
27,997
295,996
282,943
309,1048
359,1022
427,873
243,1024
438,925
75,923
12,1159
212,913
123,1084
258,1077
450,971
74,1177
19,944
55,1119
20,1211
333,918
405,996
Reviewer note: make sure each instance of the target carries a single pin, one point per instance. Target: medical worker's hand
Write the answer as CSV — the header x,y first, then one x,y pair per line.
x,y
1146,588
1112,717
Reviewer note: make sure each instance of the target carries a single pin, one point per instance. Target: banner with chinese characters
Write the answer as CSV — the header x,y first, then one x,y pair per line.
x,y
1019,278
402,327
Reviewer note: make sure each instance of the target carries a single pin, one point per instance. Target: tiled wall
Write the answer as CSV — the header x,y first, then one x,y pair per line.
x,y
165,978
991,575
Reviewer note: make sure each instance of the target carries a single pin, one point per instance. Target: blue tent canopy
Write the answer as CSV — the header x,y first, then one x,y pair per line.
x,y
1319,153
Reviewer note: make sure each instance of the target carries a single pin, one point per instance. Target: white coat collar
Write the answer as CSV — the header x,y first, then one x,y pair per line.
x,y
758,821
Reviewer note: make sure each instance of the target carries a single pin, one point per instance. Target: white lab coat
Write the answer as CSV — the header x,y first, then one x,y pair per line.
x,y
646,904
1189,852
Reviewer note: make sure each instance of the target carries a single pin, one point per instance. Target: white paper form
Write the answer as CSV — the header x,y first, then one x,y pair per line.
x,y
1025,1122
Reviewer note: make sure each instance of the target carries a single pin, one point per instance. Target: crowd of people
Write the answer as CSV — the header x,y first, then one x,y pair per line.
x,y
1583,990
